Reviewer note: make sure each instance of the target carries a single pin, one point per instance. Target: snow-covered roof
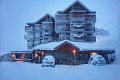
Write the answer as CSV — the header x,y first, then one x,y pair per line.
x,y
44,17
25,52
81,45
77,1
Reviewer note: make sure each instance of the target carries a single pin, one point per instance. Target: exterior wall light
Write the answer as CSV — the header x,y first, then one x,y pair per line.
x,y
36,55
93,53
74,52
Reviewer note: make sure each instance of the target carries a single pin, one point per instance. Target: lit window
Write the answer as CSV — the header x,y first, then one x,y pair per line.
x,y
42,53
13,55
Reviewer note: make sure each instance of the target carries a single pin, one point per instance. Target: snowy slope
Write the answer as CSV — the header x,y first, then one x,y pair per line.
x,y
30,71
113,40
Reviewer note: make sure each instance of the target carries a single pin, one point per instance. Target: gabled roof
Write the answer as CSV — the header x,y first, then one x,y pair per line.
x,y
43,18
66,42
76,2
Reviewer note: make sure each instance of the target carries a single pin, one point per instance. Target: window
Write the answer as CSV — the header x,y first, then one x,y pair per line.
x,y
79,32
18,56
45,38
46,30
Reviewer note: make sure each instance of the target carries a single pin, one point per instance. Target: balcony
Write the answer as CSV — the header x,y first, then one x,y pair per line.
x,y
90,39
79,10
61,28
46,41
37,35
77,19
47,24
89,29
77,27
77,37
91,18
29,29
36,42
28,36
37,28
64,37
29,43
62,18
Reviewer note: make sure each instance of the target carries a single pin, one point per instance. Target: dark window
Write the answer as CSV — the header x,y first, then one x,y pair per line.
x,y
79,32
18,56
29,56
45,38
46,30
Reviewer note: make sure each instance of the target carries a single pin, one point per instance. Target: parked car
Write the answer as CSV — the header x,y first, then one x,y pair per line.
x,y
111,58
97,60
48,60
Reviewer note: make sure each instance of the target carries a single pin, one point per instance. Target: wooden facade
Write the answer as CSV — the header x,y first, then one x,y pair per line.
x,y
65,53
22,56
68,54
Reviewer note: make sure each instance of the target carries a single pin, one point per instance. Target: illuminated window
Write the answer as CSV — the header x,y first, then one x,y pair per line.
x,y
42,53
13,55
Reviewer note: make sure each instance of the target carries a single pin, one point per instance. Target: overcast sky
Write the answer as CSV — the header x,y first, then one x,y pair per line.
x,y
14,14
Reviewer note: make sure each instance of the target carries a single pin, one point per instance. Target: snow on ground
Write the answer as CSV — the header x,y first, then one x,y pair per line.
x,y
113,42
30,71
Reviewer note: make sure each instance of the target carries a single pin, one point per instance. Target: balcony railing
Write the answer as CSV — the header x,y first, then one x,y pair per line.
x,y
63,37
61,17
90,39
29,29
77,37
91,18
91,29
36,42
29,36
37,34
29,43
76,19
37,27
77,27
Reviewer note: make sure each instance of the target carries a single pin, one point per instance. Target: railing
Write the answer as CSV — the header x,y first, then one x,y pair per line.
x,y
37,34
91,29
29,29
29,43
60,17
63,37
75,19
36,42
91,18
29,36
74,10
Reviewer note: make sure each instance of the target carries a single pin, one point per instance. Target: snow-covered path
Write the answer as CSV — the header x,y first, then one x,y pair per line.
x,y
29,71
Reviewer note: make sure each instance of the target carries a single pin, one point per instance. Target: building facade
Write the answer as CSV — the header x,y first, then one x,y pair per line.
x,y
65,53
39,32
75,23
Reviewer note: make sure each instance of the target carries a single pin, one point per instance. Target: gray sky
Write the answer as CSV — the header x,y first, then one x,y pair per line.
x,y
14,14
